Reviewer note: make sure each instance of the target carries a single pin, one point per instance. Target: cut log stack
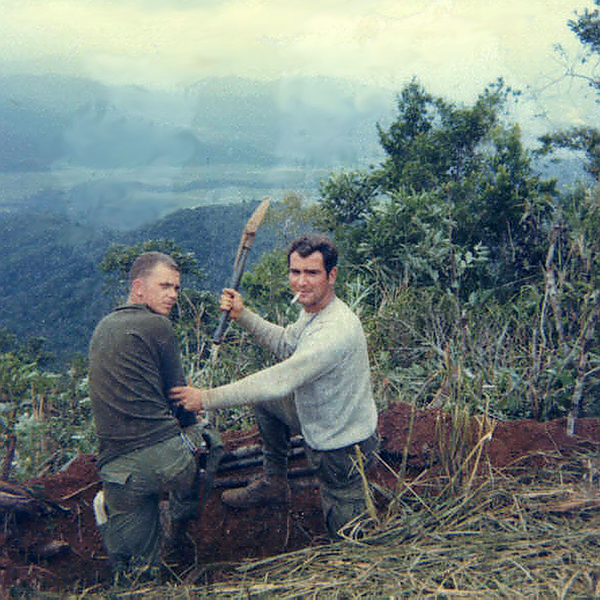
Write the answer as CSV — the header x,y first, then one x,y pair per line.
x,y
249,457
17,498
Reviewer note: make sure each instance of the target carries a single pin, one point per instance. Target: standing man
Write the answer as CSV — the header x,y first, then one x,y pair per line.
x,y
144,450
321,387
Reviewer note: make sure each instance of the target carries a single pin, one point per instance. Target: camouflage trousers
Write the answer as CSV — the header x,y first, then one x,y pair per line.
x,y
340,481
134,485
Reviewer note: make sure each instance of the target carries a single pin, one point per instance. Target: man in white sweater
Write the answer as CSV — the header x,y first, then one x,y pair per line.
x,y
321,387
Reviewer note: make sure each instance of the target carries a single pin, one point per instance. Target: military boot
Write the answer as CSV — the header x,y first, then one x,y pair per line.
x,y
264,490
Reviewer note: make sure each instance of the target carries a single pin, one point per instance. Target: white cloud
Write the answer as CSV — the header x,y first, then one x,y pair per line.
x,y
455,45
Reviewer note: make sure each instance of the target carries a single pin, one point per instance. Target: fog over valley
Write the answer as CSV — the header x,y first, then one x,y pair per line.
x,y
122,156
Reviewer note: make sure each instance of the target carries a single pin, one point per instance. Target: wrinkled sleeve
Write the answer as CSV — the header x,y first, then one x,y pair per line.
x,y
279,340
172,371
315,356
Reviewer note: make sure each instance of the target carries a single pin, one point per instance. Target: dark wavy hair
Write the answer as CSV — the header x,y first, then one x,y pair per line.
x,y
315,242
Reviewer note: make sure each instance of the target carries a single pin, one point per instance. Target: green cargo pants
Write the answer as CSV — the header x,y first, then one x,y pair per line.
x,y
133,486
342,490
340,481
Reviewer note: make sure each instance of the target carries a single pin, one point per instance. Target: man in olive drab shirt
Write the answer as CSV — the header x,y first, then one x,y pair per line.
x,y
145,445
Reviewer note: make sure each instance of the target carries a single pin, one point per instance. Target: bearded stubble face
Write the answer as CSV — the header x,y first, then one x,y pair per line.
x,y
308,277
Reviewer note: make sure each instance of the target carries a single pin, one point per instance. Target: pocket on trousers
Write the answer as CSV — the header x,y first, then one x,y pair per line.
x,y
114,476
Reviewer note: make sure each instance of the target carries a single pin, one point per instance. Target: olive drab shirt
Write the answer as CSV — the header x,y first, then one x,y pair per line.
x,y
134,360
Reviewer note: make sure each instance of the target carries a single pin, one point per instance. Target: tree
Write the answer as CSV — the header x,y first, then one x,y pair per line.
x,y
118,259
347,197
454,173
288,219
433,142
42,414
586,26
585,139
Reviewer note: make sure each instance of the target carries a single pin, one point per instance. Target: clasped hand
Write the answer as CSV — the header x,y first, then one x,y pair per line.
x,y
231,300
188,396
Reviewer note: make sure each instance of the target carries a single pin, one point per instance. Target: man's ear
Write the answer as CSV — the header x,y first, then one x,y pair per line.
x,y
137,288
333,275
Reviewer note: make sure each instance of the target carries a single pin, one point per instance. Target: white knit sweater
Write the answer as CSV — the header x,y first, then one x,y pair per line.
x,y
325,365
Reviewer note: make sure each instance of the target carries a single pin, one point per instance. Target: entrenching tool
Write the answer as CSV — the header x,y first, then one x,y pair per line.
x,y
246,242
210,432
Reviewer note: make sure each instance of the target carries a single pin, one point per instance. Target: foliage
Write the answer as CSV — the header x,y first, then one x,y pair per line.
x,y
456,191
44,416
430,350
583,138
119,258
346,198
288,219
477,283
195,318
586,26
433,142
266,286
409,240
467,264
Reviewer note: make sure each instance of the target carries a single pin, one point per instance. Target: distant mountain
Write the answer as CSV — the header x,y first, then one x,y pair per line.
x,y
126,155
50,285
35,113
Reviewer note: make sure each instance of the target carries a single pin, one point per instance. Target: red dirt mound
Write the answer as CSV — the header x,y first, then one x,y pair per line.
x,y
57,546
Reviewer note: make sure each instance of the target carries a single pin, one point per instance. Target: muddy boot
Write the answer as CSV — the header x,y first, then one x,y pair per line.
x,y
177,542
261,491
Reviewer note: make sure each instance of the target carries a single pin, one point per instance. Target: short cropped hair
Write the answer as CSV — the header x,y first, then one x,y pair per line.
x,y
315,242
144,263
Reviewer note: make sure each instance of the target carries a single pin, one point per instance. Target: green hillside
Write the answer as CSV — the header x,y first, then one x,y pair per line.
x,y
50,284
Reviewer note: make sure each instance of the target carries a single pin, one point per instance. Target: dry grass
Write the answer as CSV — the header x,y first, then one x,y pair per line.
x,y
532,532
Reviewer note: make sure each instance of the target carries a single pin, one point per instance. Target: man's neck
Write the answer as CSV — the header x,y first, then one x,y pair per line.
x,y
326,302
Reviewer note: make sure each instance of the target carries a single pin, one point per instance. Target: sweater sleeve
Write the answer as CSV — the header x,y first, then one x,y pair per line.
x,y
272,337
315,356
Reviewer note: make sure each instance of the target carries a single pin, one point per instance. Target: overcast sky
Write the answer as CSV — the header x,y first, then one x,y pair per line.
x,y
454,47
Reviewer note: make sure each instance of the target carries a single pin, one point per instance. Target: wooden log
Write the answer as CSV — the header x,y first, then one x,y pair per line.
x,y
252,461
14,497
233,482
255,450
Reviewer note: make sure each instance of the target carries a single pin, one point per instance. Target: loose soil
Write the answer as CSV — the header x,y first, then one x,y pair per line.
x,y
58,548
